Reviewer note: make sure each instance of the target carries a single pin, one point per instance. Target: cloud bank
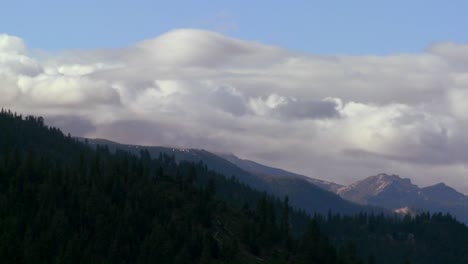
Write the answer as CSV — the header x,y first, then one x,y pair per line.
x,y
339,118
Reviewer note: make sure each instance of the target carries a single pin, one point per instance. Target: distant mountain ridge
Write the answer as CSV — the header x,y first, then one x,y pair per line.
x,y
318,196
303,192
261,169
393,192
380,186
387,191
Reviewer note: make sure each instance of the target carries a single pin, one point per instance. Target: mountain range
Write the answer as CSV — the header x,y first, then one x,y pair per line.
x,y
394,192
387,191
379,193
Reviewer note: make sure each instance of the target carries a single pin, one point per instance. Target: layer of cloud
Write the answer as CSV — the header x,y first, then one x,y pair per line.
x,y
339,118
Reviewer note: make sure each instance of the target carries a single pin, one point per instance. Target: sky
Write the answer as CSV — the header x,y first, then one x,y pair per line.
x,y
319,27
336,91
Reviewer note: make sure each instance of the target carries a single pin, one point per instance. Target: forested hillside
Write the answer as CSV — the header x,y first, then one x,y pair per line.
x,y
64,202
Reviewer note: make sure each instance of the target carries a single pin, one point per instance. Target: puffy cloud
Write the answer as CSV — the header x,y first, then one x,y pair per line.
x,y
50,90
402,133
333,117
197,48
11,44
13,59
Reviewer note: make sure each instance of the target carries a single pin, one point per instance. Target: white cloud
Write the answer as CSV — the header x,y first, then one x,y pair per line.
x,y
333,117
262,106
11,44
52,90
8,88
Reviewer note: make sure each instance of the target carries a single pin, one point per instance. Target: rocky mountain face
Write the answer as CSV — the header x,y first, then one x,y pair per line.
x,y
393,192
389,191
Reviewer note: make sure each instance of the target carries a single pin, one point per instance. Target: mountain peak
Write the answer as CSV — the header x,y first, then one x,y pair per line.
x,y
439,185
442,190
389,177
377,185
386,176
382,181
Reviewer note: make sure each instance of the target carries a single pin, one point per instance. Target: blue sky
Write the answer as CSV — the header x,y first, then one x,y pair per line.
x,y
319,27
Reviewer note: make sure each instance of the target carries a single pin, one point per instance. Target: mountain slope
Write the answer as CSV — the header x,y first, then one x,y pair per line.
x,y
302,191
260,169
393,192
212,161
310,194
